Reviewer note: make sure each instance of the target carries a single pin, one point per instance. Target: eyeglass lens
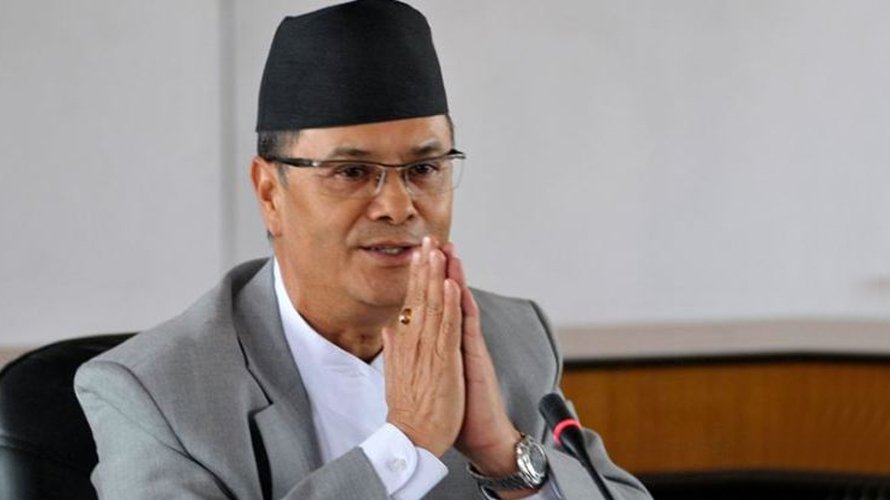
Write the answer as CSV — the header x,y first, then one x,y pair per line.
x,y
360,180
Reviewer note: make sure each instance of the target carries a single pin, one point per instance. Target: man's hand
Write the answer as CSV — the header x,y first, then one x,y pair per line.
x,y
424,369
487,437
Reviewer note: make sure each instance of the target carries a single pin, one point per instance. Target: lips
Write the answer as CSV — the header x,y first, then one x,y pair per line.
x,y
391,252
390,248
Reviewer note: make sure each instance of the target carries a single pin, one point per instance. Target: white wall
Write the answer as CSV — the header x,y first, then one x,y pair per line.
x,y
650,161
109,164
630,160
677,160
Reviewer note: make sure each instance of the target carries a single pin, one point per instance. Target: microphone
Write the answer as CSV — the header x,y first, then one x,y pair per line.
x,y
567,433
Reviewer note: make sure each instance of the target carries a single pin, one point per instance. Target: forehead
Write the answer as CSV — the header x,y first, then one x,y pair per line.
x,y
410,137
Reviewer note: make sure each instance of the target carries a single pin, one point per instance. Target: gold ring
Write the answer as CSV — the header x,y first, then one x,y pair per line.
x,y
405,316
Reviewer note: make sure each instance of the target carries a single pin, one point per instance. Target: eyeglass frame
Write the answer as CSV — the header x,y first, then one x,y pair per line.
x,y
400,167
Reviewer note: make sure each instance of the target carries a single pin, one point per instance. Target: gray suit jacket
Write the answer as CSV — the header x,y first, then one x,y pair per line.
x,y
210,405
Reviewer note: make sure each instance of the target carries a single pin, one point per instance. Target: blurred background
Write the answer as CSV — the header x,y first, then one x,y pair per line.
x,y
633,162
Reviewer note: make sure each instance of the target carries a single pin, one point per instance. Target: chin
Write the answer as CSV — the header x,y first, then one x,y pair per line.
x,y
383,297
384,291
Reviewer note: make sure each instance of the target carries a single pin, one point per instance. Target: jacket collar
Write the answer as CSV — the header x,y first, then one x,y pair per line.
x,y
284,432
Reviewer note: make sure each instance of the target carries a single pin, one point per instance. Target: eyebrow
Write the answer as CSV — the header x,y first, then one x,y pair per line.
x,y
428,148
348,151
425,149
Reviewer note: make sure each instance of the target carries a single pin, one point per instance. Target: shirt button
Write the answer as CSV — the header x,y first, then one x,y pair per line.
x,y
397,464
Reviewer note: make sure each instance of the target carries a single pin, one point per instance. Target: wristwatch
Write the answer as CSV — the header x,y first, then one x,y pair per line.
x,y
531,462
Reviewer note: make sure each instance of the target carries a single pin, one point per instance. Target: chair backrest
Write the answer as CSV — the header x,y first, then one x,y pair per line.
x,y
46,448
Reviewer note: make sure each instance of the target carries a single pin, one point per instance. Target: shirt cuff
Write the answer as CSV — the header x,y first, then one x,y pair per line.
x,y
406,471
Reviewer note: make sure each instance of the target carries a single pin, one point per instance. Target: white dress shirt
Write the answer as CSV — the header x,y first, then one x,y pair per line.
x,y
349,409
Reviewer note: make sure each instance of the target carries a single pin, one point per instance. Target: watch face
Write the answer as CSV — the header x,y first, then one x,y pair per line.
x,y
533,462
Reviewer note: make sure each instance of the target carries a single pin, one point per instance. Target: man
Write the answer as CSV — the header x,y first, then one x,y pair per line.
x,y
356,363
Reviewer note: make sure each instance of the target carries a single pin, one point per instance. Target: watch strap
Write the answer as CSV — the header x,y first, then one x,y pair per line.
x,y
516,481
512,482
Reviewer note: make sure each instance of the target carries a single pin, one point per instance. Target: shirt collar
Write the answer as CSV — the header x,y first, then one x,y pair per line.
x,y
315,355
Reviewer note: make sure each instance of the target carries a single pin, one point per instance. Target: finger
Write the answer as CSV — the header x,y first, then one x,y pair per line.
x,y
472,328
434,292
473,342
454,270
471,309
418,276
450,328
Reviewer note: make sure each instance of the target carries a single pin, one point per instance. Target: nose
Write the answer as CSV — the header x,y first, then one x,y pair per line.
x,y
393,203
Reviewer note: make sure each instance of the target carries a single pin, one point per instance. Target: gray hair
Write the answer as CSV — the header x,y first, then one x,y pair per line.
x,y
272,143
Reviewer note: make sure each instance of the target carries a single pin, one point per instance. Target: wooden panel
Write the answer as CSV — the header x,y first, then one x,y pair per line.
x,y
824,416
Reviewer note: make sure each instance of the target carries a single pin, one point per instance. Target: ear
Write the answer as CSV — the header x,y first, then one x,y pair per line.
x,y
268,189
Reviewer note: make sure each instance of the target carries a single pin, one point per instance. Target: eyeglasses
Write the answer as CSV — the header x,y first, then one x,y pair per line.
x,y
365,179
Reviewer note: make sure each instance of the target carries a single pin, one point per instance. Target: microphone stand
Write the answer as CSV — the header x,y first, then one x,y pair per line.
x,y
568,434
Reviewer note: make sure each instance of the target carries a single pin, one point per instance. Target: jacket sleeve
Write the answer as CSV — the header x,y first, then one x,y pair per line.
x,y
571,477
140,456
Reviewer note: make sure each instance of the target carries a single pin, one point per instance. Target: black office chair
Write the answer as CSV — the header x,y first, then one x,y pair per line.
x,y
46,448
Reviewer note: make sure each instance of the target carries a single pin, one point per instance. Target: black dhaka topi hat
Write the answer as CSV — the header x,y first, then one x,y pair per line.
x,y
359,62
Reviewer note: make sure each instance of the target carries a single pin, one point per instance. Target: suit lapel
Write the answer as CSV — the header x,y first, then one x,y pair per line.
x,y
283,432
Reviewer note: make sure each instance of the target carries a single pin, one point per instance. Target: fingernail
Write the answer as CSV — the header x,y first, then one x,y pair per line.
x,y
415,257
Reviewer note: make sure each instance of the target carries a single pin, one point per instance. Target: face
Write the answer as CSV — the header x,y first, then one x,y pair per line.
x,y
353,252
